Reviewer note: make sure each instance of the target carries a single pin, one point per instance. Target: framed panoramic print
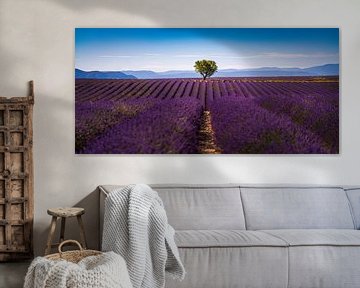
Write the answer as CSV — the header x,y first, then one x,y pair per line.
x,y
207,91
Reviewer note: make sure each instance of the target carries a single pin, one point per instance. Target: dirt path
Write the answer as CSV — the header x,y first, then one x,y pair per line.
x,y
207,143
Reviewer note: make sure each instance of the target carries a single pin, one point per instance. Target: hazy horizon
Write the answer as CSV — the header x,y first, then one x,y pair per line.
x,y
218,69
166,49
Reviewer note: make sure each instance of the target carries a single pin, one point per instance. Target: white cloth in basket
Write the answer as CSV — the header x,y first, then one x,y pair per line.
x,y
105,270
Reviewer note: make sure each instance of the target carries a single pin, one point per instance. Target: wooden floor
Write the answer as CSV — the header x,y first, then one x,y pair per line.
x,y
12,274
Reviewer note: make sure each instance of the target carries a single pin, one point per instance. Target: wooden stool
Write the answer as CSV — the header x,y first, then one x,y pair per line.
x,y
64,213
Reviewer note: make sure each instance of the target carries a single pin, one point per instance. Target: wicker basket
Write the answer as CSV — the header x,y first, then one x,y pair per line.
x,y
72,256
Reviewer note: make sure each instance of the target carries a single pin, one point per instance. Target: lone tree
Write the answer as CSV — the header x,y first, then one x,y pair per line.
x,y
205,67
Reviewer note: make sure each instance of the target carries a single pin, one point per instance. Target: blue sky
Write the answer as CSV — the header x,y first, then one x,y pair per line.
x,y
163,49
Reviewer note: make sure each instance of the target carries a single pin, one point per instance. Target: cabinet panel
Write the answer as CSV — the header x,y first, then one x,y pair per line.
x,y
17,188
16,162
2,189
2,211
16,118
2,235
2,139
2,162
2,117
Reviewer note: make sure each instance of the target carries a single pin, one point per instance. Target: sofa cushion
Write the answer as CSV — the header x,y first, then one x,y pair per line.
x,y
354,198
327,258
315,237
324,266
226,238
192,208
224,267
296,208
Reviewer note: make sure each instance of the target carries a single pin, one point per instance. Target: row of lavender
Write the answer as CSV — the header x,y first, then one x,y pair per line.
x,y
206,91
276,125
138,126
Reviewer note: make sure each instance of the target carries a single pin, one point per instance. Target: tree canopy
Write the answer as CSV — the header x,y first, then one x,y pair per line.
x,y
205,67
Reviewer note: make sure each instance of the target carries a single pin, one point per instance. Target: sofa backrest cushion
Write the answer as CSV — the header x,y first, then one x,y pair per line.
x,y
296,208
203,208
354,198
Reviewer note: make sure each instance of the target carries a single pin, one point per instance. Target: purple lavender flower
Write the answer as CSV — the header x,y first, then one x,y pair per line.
x,y
241,126
170,126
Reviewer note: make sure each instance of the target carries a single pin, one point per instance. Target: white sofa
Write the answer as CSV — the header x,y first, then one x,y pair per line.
x,y
263,236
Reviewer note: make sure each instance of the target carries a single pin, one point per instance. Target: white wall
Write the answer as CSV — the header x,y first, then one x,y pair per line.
x,y
37,42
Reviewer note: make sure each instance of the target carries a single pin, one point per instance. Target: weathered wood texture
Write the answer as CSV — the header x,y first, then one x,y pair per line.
x,y
16,177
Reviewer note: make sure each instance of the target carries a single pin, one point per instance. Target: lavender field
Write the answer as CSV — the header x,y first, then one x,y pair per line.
x,y
248,115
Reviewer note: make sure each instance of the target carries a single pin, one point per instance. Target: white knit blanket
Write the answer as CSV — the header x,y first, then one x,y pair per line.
x,y
136,227
103,271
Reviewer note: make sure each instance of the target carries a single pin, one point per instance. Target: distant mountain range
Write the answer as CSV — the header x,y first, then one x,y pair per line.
x,y
80,74
324,70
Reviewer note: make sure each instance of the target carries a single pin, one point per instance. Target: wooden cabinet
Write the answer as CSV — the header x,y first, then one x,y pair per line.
x,y
16,177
